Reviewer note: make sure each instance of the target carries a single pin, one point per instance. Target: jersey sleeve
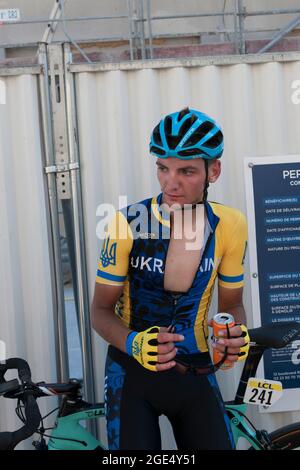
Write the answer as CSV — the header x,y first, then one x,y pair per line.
x,y
231,268
114,255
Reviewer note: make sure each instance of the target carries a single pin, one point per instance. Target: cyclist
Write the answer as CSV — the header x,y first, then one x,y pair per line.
x,y
153,290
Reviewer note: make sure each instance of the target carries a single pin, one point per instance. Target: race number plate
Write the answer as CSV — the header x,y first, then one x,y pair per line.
x,y
262,392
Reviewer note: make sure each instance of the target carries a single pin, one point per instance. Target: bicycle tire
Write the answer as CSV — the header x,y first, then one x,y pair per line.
x,y
285,438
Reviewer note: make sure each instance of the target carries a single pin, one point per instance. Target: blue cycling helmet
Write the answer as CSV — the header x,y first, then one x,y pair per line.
x,y
187,134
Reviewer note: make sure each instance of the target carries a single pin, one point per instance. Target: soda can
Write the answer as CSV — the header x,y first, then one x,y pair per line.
x,y
220,322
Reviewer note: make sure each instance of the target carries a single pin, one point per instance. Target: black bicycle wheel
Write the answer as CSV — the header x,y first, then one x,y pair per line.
x,y
287,437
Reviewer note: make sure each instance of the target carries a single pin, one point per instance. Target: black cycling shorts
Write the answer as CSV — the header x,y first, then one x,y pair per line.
x,y
135,398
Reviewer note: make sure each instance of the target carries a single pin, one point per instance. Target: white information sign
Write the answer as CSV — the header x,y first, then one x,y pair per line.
x,y
273,213
10,14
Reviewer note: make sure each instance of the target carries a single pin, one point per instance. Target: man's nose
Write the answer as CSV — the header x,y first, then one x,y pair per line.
x,y
173,181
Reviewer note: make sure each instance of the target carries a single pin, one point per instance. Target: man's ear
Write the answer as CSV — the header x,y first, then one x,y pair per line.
x,y
214,170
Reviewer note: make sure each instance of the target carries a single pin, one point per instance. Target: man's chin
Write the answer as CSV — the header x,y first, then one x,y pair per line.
x,y
174,201
178,201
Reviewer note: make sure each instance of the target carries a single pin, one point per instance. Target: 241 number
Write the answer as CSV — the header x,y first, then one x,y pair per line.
x,y
261,397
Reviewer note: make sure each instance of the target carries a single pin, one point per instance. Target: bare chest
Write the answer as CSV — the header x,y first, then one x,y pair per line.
x,y
184,252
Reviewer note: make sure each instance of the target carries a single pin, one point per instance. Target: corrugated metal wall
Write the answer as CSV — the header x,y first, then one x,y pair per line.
x,y
117,110
26,320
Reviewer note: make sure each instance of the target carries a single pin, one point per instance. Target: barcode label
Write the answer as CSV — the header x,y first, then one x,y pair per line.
x,y
10,14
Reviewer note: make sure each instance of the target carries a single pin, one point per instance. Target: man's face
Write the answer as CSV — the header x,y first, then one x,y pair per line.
x,y
183,181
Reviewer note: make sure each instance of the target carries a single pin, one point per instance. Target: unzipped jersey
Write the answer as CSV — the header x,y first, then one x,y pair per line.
x,y
134,255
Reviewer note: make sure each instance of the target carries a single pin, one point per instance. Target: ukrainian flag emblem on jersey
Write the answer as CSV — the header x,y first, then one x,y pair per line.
x,y
108,254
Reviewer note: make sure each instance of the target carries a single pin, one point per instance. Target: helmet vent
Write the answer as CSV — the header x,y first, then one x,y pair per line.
x,y
214,141
193,118
157,150
168,126
185,127
173,141
157,136
183,113
199,133
191,153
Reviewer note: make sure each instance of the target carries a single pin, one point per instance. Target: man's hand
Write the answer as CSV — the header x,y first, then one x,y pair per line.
x,y
154,348
166,348
234,344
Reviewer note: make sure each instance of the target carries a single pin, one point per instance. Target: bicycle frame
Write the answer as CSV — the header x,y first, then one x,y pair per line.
x,y
78,437
236,410
240,427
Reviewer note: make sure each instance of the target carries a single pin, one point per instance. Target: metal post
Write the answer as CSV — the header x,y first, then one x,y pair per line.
x,y
51,27
235,21
62,6
241,13
53,222
135,28
149,28
78,218
280,34
129,7
223,32
141,28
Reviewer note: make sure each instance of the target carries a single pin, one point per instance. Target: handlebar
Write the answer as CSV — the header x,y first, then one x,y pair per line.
x,y
9,440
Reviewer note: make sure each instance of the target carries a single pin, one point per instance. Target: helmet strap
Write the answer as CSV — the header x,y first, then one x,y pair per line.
x,y
206,180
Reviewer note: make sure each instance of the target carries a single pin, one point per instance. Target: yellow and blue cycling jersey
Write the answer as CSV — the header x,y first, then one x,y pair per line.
x,y
136,259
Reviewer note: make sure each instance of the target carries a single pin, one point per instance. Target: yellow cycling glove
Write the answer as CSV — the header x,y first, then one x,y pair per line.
x,y
244,350
143,347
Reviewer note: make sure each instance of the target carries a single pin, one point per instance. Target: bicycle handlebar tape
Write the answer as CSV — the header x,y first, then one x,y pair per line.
x,y
21,365
143,347
9,440
32,413
244,350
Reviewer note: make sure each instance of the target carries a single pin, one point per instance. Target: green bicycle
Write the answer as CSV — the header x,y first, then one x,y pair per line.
x,y
68,432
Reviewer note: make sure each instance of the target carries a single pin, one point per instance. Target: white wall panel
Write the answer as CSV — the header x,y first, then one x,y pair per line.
x,y
26,321
117,110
